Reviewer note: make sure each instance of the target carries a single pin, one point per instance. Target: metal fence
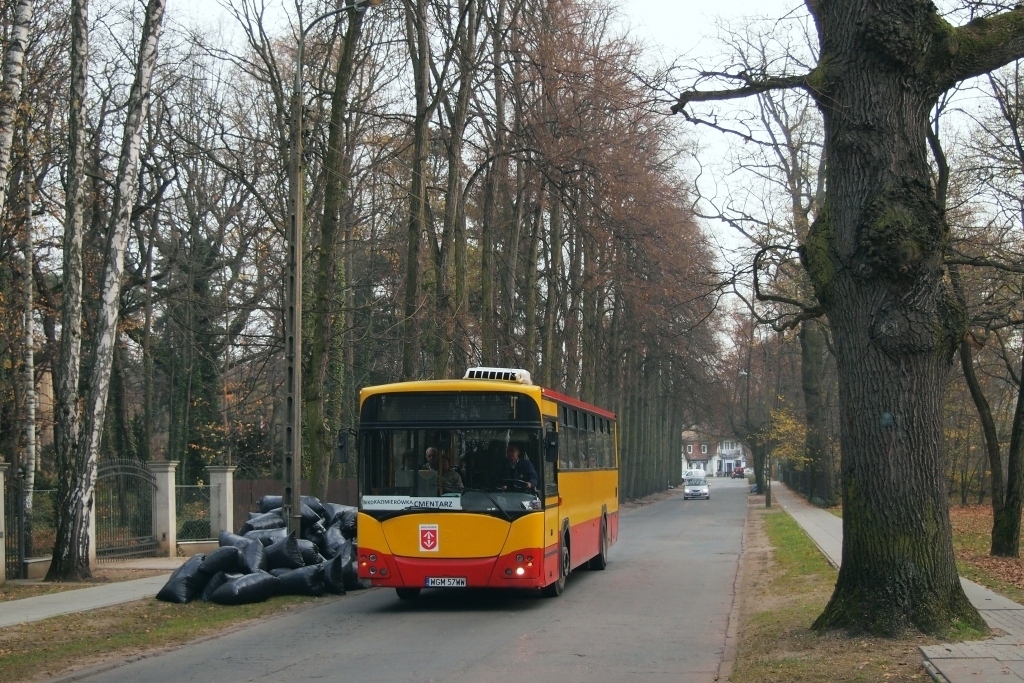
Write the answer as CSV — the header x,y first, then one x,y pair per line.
x,y
192,505
38,527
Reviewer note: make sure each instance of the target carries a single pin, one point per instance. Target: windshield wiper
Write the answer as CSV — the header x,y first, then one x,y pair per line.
x,y
490,498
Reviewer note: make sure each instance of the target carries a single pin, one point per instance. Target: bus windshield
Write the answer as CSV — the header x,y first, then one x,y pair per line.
x,y
451,469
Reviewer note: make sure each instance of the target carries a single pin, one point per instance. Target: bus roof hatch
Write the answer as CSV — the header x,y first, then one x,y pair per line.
x,y
507,374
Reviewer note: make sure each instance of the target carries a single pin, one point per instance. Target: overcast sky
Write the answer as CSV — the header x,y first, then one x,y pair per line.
x,y
681,31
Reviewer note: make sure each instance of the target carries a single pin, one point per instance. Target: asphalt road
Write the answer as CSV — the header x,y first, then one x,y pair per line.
x,y
659,612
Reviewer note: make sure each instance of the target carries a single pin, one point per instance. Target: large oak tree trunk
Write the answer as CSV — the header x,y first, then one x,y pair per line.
x,y
874,254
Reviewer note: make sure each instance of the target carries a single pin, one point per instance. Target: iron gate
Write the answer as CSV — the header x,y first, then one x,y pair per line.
x,y
124,497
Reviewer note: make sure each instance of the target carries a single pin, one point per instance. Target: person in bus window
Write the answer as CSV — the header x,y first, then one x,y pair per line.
x,y
431,462
519,468
450,480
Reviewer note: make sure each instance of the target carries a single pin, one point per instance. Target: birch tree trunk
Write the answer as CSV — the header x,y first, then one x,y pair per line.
x,y
66,564
71,550
10,93
29,459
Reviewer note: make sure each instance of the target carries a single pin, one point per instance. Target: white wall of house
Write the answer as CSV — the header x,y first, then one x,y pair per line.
x,y
731,454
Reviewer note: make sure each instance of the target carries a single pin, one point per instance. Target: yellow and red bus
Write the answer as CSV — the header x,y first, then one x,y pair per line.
x,y
420,526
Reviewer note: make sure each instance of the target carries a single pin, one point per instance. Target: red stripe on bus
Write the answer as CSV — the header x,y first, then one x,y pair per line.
x,y
576,403
412,572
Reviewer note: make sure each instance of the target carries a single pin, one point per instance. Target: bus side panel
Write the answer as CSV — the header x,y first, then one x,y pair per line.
x,y
585,494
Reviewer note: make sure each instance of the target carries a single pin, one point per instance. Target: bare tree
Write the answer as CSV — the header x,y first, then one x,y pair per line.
x,y
74,497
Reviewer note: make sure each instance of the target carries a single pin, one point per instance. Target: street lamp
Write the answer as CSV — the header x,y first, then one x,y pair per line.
x,y
291,510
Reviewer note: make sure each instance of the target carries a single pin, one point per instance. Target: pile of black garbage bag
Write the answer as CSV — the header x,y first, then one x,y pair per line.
x,y
264,559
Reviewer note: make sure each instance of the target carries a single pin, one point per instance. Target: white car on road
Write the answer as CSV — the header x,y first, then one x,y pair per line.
x,y
696,487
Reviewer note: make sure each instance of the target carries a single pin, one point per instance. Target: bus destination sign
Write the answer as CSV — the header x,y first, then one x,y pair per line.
x,y
407,502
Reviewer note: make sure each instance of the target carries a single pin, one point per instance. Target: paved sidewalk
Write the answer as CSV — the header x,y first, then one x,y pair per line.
x,y
13,612
997,659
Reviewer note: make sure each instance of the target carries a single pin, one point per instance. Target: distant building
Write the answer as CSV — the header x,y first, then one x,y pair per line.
x,y
717,456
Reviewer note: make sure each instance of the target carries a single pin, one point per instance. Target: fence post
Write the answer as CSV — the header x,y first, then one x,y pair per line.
x,y
3,525
165,514
222,498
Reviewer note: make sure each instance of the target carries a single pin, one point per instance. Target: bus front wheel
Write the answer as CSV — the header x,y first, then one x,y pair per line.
x,y
408,593
553,590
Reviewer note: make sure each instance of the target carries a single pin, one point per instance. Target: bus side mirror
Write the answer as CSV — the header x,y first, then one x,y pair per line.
x,y
551,446
341,448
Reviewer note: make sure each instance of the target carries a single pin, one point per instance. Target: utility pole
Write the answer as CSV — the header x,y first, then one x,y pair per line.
x,y
291,507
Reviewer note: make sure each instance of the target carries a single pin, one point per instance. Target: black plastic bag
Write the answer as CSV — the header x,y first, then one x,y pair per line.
x,y
268,536
268,503
333,541
285,553
310,553
225,538
349,566
247,589
314,503
310,517
186,582
255,557
215,582
334,576
226,559
280,571
270,520
344,516
304,581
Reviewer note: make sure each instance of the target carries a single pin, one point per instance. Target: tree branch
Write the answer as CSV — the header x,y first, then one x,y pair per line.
x,y
752,87
985,263
980,46
761,296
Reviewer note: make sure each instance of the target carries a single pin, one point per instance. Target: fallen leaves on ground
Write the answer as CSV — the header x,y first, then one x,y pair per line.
x,y
972,529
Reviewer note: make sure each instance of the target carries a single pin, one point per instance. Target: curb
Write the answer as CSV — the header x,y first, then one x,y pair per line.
x,y
932,671
733,622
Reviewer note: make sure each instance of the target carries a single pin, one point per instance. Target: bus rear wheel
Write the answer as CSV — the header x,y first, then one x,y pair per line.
x,y
553,590
600,561
408,593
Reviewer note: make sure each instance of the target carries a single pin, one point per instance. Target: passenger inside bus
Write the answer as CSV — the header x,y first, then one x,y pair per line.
x,y
450,481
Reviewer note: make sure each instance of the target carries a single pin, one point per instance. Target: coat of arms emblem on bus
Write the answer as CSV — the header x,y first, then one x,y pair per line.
x,y
428,537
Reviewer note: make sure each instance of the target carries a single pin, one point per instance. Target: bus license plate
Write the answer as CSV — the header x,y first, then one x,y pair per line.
x,y
447,582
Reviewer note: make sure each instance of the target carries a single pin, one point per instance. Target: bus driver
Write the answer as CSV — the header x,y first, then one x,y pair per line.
x,y
520,469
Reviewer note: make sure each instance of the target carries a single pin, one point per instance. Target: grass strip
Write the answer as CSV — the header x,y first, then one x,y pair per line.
x,y
53,646
782,601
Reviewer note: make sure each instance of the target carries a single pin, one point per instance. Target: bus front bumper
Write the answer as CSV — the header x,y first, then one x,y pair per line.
x,y
520,569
